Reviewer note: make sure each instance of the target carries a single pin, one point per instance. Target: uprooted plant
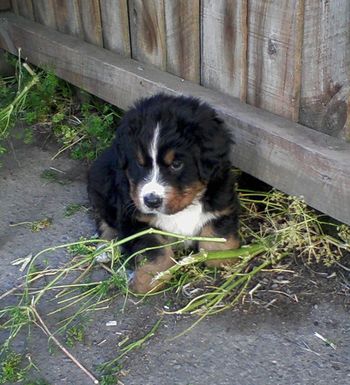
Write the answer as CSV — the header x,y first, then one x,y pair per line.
x,y
274,227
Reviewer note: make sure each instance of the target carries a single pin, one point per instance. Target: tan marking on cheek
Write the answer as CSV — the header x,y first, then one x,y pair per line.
x,y
232,242
169,157
107,232
134,194
144,276
177,200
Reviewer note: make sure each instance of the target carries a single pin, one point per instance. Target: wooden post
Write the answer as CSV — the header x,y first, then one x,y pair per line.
x,y
115,26
224,46
147,28
275,31
183,38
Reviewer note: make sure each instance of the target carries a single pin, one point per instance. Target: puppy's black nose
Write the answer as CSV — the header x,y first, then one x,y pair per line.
x,y
152,201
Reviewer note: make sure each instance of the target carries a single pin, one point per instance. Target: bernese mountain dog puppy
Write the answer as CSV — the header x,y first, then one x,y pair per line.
x,y
169,168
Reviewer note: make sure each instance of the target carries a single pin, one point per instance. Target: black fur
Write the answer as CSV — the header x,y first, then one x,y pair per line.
x,y
200,141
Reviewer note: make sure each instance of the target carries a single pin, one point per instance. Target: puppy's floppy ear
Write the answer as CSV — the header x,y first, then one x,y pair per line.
x,y
125,135
121,143
119,148
215,143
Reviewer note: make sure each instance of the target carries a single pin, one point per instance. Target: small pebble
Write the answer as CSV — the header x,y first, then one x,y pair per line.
x,y
111,323
103,257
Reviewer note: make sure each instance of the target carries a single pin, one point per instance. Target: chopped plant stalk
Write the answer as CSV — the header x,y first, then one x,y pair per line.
x,y
35,226
65,148
128,348
53,176
76,281
273,226
43,326
325,340
74,208
7,113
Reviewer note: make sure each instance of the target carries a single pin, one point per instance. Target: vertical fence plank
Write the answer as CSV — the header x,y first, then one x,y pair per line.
x,y
224,45
274,55
14,7
91,21
44,12
182,38
115,26
325,100
68,17
23,8
147,26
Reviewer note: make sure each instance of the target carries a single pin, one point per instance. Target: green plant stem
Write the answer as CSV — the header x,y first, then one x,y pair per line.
x,y
5,113
203,256
167,234
134,345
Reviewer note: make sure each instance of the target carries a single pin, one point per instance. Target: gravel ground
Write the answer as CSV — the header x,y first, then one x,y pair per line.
x,y
250,345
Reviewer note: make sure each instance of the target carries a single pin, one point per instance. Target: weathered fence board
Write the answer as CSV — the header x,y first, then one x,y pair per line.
x,y
91,21
68,17
325,91
183,38
44,12
115,22
287,155
147,27
290,57
224,46
274,55
23,8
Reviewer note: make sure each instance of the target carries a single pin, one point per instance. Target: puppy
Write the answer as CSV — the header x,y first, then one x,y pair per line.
x,y
168,168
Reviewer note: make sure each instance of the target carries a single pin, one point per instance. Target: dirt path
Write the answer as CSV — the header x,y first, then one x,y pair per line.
x,y
248,346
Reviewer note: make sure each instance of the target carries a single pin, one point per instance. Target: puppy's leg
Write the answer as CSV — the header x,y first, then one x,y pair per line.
x,y
106,231
150,263
226,227
102,188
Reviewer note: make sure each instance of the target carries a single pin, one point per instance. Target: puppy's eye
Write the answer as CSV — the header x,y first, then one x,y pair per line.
x,y
176,165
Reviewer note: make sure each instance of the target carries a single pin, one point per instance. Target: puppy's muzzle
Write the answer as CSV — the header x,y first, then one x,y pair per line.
x,y
152,201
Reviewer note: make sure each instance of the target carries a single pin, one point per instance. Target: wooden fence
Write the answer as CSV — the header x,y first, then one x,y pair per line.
x,y
288,57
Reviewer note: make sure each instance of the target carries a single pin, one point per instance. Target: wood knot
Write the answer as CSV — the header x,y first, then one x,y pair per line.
x,y
271,47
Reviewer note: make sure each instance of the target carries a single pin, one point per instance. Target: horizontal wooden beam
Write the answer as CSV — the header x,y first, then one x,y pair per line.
x,y
291,157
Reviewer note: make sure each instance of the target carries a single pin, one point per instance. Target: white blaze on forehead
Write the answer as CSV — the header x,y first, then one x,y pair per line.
x,y
153,181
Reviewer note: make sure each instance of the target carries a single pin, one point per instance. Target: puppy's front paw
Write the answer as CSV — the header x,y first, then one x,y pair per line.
x,y
147,277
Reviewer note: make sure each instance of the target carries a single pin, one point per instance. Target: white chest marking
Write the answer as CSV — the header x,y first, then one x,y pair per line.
x,y
189,221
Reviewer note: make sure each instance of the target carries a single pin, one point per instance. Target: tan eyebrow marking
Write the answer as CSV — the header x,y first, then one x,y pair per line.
x,y
169,157
140,158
